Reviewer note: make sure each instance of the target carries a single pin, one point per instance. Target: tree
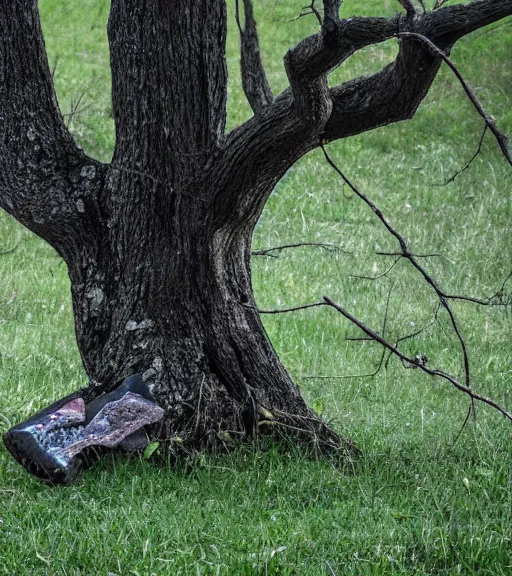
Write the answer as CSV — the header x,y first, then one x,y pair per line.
x,y
158,242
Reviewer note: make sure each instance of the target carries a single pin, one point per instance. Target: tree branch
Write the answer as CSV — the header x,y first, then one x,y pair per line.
x,y
469,162
394,93
444,299
258,153
254,79
489,122
323,245
318,54
417,361
46,182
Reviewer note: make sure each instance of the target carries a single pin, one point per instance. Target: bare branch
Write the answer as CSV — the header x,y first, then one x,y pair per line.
x,y
254,79
323,245
415,255
309,111
385,273
312,10
490,122
394,93
443,299
381,361
285,310
417,362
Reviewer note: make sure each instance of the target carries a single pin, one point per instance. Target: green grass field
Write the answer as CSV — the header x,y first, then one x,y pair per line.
x,y
414,503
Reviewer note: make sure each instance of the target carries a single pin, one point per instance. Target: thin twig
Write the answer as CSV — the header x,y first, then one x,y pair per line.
x,y
470,161
379,275
379,366
312,10
416,333
415,255
268,251
416,361
466,420
490,122
284,310
406,253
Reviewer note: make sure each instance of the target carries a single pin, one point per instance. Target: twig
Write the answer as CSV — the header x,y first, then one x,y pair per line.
x,y
468,164
415,255
284,310
443,298
312,10
416,333
421,330
490,122
379,275
73,108
433,255
466,420
268,251
416,361
439,3
379,366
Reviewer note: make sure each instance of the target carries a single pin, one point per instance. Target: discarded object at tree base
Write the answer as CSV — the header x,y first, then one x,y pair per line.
x,y
61,441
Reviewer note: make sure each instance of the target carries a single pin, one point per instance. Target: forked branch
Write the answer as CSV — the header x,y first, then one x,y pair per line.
x,y
417,361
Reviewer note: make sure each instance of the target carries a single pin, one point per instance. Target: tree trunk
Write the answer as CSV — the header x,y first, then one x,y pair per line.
x,y
165,291
158,242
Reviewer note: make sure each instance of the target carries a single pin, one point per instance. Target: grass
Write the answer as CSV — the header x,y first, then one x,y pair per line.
x,y
414,503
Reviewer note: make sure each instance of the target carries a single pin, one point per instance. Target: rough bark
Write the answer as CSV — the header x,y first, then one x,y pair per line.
x,y
254,79
158,242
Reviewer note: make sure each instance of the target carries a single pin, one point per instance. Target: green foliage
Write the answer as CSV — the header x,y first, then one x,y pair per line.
x,y
413,504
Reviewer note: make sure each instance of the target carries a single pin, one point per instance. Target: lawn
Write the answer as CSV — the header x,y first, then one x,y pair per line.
x,y
416,502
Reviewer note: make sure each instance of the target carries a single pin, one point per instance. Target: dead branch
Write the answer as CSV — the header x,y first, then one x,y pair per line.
x,y
385,273
417,361
381,361
285,310
307,11
490,122
323,245
443,298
